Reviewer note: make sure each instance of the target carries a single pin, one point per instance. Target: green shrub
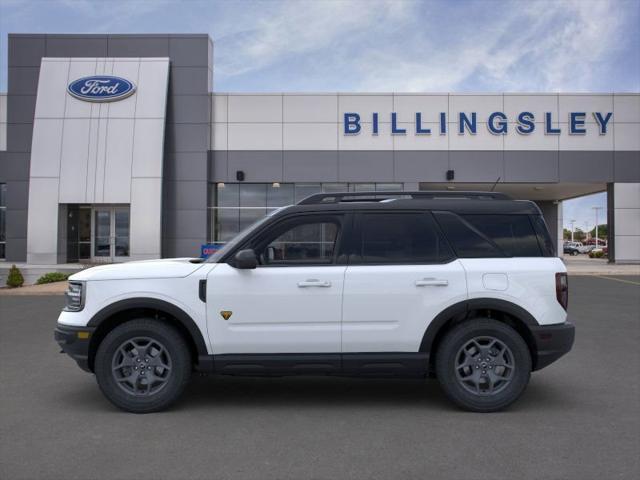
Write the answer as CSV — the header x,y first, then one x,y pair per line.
x,y
15,278
596,254
52,277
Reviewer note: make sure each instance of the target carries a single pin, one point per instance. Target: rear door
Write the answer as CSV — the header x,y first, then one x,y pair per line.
x,y
401,274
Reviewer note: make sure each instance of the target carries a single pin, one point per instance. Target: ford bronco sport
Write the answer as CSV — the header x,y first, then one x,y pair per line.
x,y
463,286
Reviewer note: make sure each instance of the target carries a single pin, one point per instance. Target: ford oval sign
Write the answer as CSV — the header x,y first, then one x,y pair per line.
x,y
101,88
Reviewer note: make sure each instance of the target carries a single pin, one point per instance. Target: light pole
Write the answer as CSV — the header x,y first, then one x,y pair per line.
x,y
596,209
572,228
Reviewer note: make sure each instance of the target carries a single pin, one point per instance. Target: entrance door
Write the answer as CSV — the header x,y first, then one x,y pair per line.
x,y
110,234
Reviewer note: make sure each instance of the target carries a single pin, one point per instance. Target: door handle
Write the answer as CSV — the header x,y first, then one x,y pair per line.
x,y
312,282
432,282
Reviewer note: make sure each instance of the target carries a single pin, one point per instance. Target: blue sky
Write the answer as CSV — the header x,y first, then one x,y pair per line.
x,y
371,45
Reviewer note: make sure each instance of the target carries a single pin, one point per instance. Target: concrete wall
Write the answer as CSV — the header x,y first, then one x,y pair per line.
x,y
552,212
300,137
626,211
184,223
3,121
97,153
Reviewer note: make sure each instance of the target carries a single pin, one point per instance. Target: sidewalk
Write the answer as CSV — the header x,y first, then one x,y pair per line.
x,y
57,288
583,265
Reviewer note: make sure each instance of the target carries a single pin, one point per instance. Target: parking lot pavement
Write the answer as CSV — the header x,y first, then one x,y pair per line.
x,y
579,418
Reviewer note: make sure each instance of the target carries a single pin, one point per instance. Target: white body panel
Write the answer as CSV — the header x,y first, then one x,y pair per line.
x,y
322,309
272,311
173,281
530,284
387,308
146,269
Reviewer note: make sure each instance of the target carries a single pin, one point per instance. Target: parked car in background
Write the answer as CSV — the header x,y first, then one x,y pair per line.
x,y
571,248
586,248
599,252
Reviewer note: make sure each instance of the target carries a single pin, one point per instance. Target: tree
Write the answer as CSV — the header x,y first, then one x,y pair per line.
x,y
603,231
15,278
578,235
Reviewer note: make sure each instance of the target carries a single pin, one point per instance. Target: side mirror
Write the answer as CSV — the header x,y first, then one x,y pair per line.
x,y
245,259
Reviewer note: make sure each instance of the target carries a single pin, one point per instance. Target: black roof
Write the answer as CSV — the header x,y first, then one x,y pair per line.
x,y
457,202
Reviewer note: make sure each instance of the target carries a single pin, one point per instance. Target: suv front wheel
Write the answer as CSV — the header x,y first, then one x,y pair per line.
x,y
483,365
143,365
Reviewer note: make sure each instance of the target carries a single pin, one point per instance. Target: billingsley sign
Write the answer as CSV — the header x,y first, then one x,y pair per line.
x,y
101,88
497,123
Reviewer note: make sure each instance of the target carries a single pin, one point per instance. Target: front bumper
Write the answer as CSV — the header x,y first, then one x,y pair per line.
x,y
552,342
75,341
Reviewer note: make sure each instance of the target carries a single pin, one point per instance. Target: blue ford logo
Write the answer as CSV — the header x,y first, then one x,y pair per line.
x,y
101,88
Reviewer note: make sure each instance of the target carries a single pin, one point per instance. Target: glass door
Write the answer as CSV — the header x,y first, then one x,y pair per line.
x,y
110,234
102,234
120,229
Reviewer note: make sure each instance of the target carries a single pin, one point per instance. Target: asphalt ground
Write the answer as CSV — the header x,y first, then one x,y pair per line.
x,y
579,418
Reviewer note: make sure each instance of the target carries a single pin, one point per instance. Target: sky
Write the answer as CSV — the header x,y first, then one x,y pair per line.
x,y
378,45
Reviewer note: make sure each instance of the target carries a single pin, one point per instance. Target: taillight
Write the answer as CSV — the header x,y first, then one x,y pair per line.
x,y
562,289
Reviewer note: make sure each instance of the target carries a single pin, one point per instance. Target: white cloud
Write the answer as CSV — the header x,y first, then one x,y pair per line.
x,y
542,47
282,31
410,46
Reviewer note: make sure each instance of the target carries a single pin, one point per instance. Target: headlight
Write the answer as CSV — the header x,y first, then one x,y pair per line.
x,y
74,297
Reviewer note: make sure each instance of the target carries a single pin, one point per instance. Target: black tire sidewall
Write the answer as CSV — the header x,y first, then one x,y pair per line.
x,y
461,334
178,378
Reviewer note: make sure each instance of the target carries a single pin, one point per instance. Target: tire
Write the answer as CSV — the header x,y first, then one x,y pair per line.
x,y
575,253
143,366
466,379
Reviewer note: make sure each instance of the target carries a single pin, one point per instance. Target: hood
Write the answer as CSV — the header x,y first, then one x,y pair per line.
x,y
163,268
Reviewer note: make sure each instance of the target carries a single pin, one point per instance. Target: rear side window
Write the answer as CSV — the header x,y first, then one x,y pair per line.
x,y
466,240
513,234
401,238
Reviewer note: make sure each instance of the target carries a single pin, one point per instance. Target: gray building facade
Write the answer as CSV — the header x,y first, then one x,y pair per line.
x,y
174,165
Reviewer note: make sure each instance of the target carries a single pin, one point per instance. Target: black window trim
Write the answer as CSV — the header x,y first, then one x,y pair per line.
x,y
282,223
542,230
356,237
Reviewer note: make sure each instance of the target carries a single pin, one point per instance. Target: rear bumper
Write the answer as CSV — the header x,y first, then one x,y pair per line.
x,y
552,342
74,341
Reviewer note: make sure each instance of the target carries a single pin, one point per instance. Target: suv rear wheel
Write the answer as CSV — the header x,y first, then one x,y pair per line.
x,y
483,365
143,365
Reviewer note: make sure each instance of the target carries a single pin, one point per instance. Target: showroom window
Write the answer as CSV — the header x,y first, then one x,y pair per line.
x,y
235,206
3,216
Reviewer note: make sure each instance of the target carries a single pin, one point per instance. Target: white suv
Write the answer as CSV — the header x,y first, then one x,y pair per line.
x,y
462,286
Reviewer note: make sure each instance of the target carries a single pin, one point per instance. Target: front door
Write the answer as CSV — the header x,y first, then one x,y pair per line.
x,y
290,303
110,234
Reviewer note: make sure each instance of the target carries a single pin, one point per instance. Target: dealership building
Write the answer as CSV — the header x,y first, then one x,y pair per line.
x,y
118,147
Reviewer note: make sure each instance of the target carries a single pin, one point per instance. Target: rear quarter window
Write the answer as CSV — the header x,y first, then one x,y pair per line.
x,y
513,234
465,239
492,235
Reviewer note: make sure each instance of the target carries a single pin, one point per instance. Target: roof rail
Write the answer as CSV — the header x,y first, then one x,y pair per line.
x,y
320,198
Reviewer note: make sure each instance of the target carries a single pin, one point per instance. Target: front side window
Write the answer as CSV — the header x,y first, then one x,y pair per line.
x,y
305,242
401,238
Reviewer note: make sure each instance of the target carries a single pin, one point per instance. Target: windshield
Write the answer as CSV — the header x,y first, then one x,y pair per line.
x,y
240,237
